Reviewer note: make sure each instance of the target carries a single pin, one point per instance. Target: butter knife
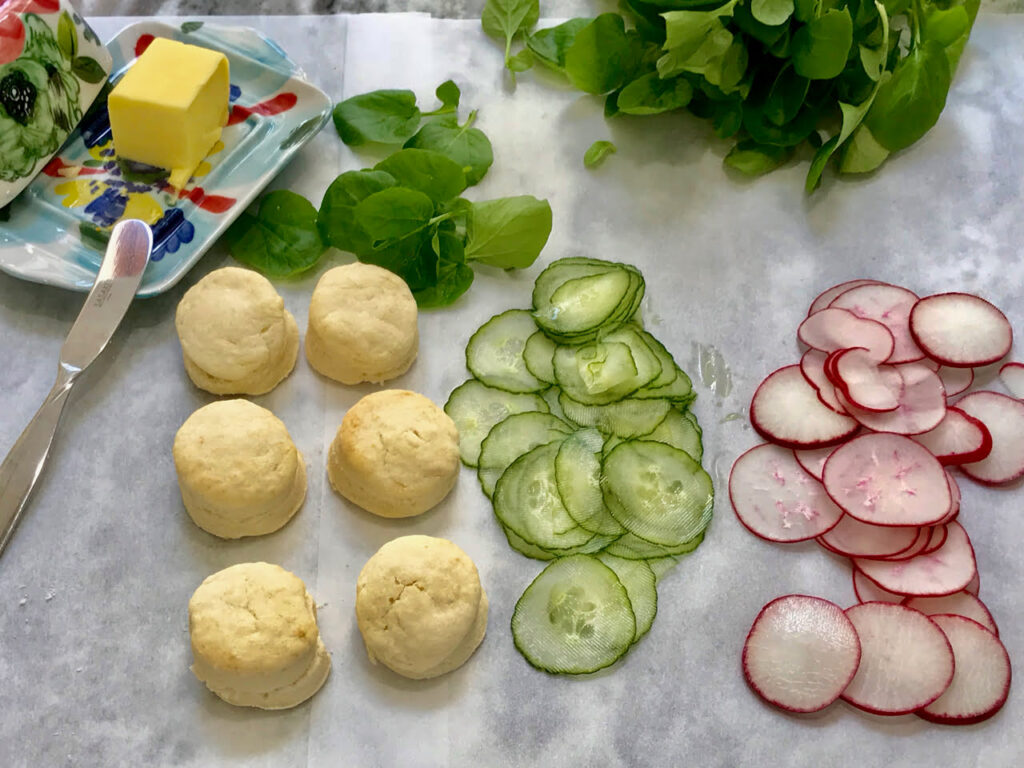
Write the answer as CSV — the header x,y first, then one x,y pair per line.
x,y
127,254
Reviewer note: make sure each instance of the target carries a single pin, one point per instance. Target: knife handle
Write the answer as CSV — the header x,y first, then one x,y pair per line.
x,y
24,464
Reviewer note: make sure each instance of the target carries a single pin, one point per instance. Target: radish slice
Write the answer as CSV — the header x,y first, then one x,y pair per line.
x,y
922,404
828,296
832,329
938,536
920,543
975,586
954,493
887,479
955,380
981,681
800,653
867,384
786,411
868,592
947,570
776,499
961,604
1004,418
889,305
958,439
1012,376
960,330
813,460
853,538
812,366
906,661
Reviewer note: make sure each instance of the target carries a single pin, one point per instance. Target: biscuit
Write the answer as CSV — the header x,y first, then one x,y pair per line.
x,y
362,325
396,454
420,606
236,336
239,472
254,636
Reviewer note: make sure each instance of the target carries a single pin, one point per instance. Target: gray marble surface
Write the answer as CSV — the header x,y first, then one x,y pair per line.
x,y
93,589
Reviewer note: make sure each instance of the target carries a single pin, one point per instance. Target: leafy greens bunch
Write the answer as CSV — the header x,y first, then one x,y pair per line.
x,y
405,214
855,79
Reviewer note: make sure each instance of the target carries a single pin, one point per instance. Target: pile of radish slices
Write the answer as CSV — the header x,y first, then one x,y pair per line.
x,y
862,434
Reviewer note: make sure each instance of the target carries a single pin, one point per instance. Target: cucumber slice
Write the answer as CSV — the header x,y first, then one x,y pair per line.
x,y
578,477
640,583
526,500
632,547
625,418
494,354
509,439
608,370
539,356
665,495
551,395
476,408
669,369
578,304
523,547
680,391
680,431
661,566
575,618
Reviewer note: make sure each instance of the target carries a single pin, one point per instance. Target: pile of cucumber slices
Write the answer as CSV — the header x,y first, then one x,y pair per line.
x,y
577,422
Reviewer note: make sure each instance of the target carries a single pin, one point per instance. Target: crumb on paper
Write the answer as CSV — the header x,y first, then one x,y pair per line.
x,y
50,594
23,601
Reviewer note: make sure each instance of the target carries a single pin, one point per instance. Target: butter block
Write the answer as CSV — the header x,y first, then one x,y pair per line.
x,y
170,107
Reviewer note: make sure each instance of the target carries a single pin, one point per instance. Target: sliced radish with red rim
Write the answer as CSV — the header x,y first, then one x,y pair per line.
x,y
958,439
961,603
974,587
955,380
828,296
948,569
801,653
960,330
1012,376
924,535
889,305
813,460
1004,418
786,411
922,404
954,493
853,538
936,539
833,328
866,383
867,591
812,366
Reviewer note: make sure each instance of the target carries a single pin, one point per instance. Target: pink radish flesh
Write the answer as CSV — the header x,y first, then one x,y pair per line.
x,y
826,297
889,305
955,380
920,543
981,681
1004,418
867,384
937,538
868,592
961,604
947,570
812,366
887,479
906,661
974,587
1012,376
958,439
800,653
776,499
786,411
922,404
813,460
853,538
954,493
960,330
832,329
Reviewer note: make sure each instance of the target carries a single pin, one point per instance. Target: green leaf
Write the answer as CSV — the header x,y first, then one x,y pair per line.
x,y
651,95
88,70
282,239
411,258
805,10
873,61
597,153
910,102
453,276
951,27
755,159
505,19
698,42
393,214
509,232
337,217
521,62
448,94
818,163
862,154
189,27
763,131
596,61
745,21
67,36
386,117
771,12
432,173
467,146
549,45
786,96
821,47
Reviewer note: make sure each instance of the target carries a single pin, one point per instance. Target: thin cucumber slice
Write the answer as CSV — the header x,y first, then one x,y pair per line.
x,y
680,391
539,356
665,495
476,408
526,500
494,354
578,304
523,547
625,418
608,370
631,547
575,618
509,439
680,431
640,583
578,477
597,544
551,395
661,566
669,369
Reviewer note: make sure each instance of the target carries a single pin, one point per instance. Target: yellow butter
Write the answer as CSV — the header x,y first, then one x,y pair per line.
x,y
170,107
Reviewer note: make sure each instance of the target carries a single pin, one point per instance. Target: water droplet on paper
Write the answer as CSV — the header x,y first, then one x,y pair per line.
x,y
23,601
712,369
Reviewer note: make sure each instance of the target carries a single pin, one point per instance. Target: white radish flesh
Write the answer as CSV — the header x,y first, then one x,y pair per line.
x,y
889,305
868,592
832,329
867,384
958,439
1012,376
954,493
800,653
960,330
813,460
812,366
786,411
828,296
948,569
919,545
974,587
906,661
853,538
938,536
981,681
887,479
961,604
955,380
1004,418
922,404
